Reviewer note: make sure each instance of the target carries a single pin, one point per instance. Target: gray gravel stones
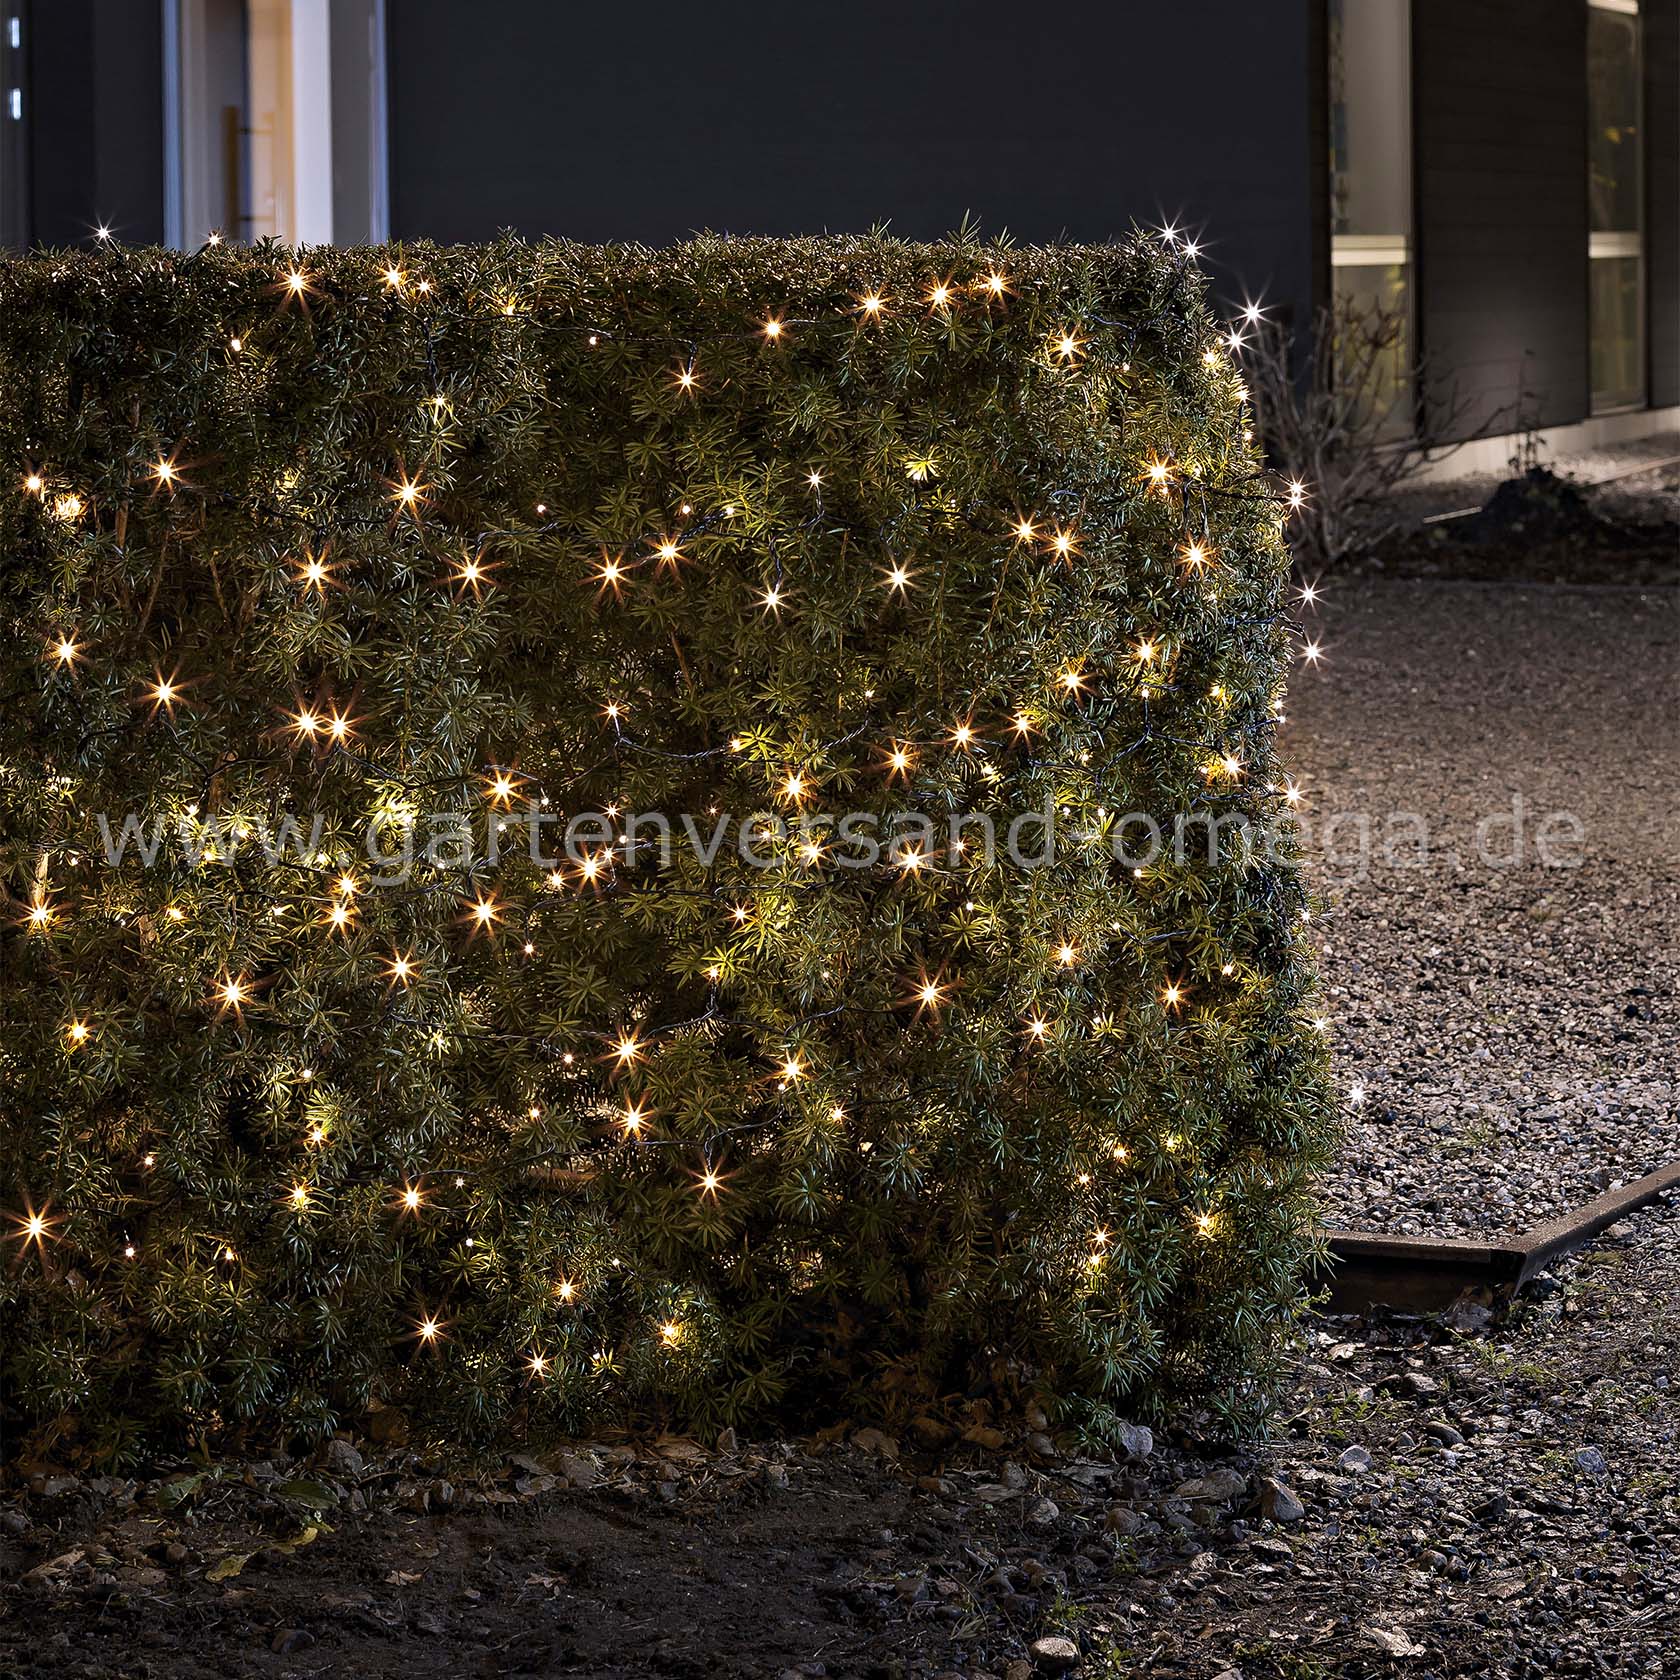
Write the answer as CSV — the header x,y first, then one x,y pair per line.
x,y
1505,1030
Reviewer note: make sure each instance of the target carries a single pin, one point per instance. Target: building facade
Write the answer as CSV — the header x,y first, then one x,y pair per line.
x,y
1501,176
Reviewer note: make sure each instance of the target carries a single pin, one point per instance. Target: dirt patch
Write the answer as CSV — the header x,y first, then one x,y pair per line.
x,y
1478,1497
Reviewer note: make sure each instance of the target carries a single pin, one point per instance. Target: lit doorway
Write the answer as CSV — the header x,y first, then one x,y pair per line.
x,y
276,121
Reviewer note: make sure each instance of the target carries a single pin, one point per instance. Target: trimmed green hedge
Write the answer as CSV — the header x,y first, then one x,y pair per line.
x,y
525,533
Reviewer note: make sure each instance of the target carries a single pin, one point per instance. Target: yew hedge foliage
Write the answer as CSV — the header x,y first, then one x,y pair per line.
x,y
310,557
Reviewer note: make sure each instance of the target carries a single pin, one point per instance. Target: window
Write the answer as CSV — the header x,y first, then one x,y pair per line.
x,y
1371,184
277,120
14,179
1615,195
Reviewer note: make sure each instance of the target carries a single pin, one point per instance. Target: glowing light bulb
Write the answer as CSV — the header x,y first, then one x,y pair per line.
x,y
429,1329
164,472
300,1195
232,993
1068,345
65,651
1172,995
484,912
872,303
1067,956
633,1119
898,579
78,1032
412,1198
296,282
793,1069
1025,530
628,1049
1312,652
407,492
33,484
772,329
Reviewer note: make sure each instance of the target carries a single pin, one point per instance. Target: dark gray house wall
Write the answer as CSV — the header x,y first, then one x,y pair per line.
x,y
650,121
1500,138
1662,196
95,73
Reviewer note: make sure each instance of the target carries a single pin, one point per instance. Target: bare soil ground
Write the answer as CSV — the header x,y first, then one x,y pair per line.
x,y
1497,1499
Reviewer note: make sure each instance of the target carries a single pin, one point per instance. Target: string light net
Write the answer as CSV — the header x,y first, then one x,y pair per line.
x,y
367,611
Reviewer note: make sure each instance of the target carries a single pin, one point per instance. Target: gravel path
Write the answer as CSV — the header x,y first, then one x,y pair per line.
x,y
1512,1025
